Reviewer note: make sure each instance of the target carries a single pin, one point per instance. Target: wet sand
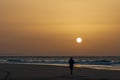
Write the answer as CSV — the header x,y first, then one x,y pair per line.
x,y
52,72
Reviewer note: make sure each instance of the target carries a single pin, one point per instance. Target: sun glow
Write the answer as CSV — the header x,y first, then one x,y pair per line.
x,y
79,40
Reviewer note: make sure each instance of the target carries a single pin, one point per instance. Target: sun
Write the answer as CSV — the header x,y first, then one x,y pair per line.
x,y
79,40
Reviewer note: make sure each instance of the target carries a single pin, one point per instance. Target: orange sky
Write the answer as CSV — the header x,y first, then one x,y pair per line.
x,y
50,27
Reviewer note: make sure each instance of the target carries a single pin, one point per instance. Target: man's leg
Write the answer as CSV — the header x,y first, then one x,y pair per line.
x,y
71,71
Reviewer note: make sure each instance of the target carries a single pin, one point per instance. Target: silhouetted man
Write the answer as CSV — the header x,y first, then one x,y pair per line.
x,y
71,64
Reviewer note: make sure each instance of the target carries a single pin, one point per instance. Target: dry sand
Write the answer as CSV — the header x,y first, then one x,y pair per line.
x,y
47,72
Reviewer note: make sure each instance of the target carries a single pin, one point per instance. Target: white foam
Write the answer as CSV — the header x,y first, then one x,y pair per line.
x,y
104,67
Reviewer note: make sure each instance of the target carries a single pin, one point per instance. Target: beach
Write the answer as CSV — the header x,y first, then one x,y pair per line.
x,y
52,72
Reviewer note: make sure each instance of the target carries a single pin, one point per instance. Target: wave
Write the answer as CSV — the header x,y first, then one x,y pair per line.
x,y
62,60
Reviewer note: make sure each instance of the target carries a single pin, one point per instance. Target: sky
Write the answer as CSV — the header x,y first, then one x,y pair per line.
x,y
50,27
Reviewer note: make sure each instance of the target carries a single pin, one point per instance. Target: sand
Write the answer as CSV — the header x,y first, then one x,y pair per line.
x,y
52,72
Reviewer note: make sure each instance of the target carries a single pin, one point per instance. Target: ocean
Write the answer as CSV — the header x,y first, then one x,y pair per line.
x,y
98,62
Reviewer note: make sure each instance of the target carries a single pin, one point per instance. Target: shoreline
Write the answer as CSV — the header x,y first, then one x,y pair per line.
x,y
52,72
99,67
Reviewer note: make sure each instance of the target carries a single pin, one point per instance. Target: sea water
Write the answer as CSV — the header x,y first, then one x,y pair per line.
x,y
97,62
